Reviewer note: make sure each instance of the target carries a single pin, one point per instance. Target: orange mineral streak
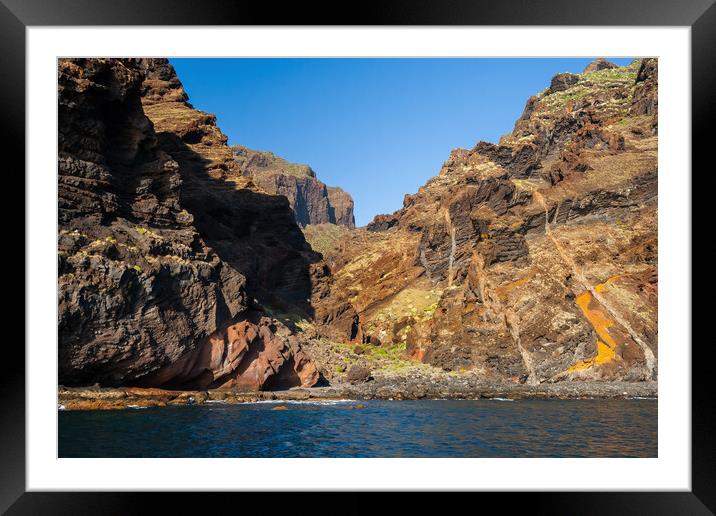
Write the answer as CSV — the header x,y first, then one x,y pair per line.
x,y
603,286
606,347
504,289
417,355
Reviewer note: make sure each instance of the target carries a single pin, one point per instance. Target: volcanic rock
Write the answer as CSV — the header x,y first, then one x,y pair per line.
x,y
646,90
562,81
342,205
312,202
248,355
253,231
599,64
158,235
527,261
358,374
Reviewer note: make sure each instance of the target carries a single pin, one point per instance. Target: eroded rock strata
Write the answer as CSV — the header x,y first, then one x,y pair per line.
x,y
311,200
532,260
165,251
529,263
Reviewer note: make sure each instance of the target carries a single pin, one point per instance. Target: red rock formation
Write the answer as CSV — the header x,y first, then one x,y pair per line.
x,y
251,354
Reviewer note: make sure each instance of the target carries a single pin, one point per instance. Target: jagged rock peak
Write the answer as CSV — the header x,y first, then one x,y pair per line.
x,y
563,81
599,64
341,204
161,83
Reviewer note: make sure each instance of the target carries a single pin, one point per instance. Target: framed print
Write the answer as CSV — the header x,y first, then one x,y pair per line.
x,y
423,248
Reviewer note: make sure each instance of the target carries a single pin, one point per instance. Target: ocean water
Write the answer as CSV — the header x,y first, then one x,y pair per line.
x,y
424,428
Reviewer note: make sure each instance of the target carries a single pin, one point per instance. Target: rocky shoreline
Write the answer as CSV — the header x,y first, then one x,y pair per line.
x,y
97,398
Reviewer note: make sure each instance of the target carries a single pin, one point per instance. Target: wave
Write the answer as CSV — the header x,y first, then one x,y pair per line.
x,y
301,402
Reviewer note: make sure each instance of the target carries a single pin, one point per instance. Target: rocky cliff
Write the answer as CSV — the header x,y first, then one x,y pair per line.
x,y
528,261
341,207
531,260
167,255
311,200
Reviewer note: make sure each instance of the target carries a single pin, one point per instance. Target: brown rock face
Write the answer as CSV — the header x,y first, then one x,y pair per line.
x,y
599,64
646,100
562,82
310,199
341,207
248,355
532,260
251,230
158,236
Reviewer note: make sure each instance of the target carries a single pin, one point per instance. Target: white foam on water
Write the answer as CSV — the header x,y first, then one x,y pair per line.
x,y
501,399
61,407
137,407
301,402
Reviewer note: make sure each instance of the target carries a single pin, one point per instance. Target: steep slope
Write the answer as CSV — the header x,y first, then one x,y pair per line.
x,y
253,231
162,246
532,260
310,199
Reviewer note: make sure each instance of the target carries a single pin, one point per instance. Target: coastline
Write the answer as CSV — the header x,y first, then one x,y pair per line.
x,y
102,398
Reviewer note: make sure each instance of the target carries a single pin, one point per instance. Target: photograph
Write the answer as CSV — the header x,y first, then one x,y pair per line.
x,y
415,247
357,257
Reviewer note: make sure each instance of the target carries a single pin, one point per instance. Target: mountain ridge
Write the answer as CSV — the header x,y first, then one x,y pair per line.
x,y
463,284
311,200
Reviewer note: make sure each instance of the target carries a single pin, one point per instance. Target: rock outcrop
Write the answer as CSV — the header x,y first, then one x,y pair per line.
x,y
531,260
311,200
341,207
599,64
165,251
253,354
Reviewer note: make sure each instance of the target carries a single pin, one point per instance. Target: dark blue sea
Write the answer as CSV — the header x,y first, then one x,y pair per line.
x,y
429,428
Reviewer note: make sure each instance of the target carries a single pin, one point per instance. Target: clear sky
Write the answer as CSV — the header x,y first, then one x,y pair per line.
x,y
378,128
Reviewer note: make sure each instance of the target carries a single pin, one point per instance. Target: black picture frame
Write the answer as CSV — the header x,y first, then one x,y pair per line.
x,y
699,15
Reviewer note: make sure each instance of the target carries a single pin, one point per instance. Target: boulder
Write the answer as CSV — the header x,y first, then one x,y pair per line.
x,y
358,374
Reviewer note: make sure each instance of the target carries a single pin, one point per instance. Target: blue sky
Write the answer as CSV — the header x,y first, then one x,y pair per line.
x,y
378,128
